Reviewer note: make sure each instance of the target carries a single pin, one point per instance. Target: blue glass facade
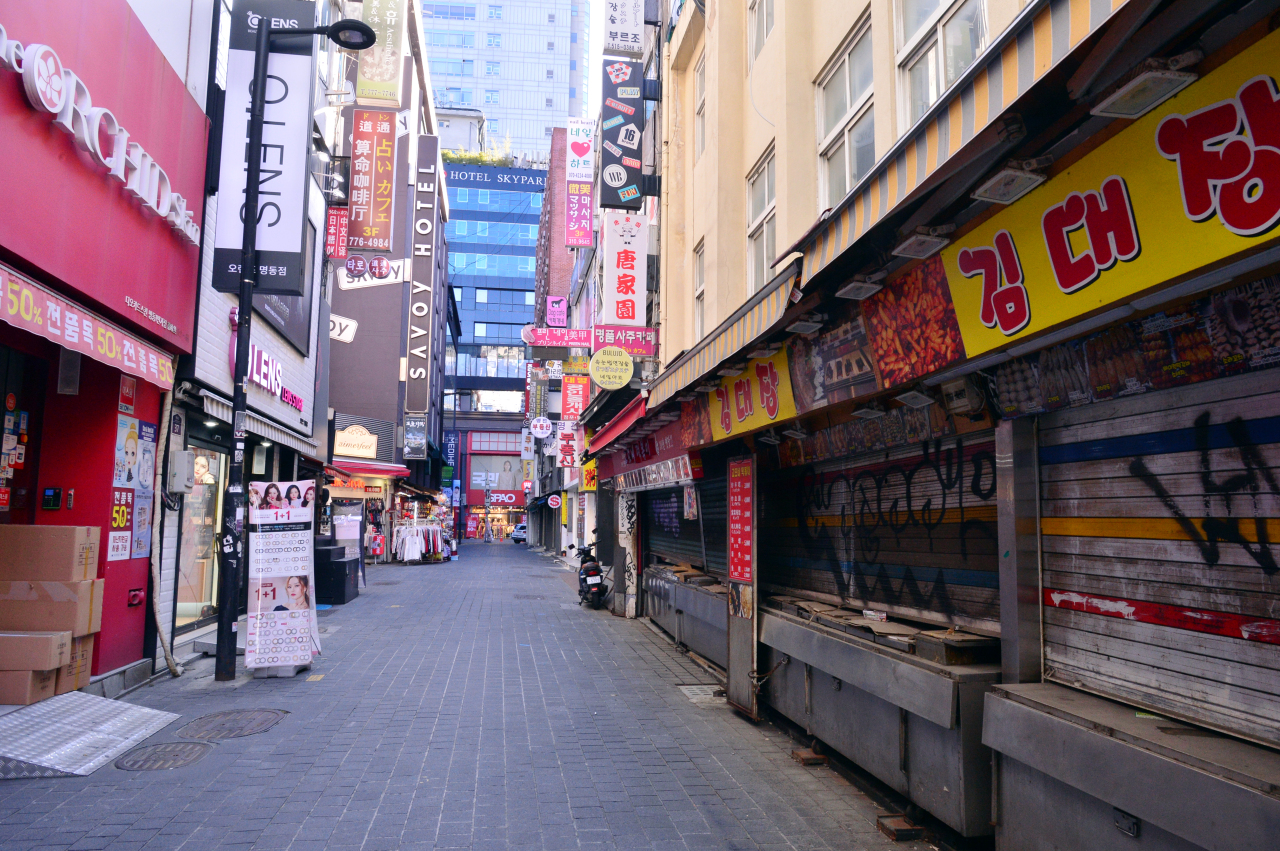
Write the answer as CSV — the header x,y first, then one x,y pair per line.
x,y
493,236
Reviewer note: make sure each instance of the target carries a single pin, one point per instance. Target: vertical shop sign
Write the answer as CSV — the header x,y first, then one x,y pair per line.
x,y
558,311
566,445
422,287
626,266
335,233
580,165
528,449
741,520
373,172
378,77
575,393
282,602
624,27
286,143
622,122
132,484
415,438
450,453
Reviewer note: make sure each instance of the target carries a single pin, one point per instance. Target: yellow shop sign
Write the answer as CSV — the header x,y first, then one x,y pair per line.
x,y
759,397
1192,182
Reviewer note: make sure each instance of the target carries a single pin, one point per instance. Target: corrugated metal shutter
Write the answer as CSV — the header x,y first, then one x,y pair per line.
x,y
666,532
713,496
910,530
1160,521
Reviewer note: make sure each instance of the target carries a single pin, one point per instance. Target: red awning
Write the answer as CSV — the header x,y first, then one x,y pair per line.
x,y
371,468
618,426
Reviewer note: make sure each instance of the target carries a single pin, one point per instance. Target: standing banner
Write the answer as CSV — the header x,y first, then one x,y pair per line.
x,y
426,217
378,78
579,171
621,127
741,688
373,179
282,627
286,145
626,269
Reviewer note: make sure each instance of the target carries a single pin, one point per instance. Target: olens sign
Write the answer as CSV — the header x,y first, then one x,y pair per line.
x,y
115,196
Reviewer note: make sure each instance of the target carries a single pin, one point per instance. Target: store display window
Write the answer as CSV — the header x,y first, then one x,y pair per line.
x,y
197,557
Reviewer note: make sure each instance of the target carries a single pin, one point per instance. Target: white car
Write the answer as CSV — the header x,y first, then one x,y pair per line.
x,y
520,534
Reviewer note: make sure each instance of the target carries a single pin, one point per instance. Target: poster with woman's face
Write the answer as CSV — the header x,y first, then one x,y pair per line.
x,y
125,474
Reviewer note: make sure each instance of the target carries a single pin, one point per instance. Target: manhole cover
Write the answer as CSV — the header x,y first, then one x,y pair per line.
x,y
386,582
530,597
704,695
161,757
232,724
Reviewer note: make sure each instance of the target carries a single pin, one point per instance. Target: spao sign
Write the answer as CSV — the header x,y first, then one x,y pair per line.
x,y
55,90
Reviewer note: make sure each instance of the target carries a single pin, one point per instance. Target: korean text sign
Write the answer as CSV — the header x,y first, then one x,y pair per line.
x,y
639,342
378,77
1192,182
624,27
580,164
622,122
281,627
741,520
626,247
575,393
373,166
759,397
335,233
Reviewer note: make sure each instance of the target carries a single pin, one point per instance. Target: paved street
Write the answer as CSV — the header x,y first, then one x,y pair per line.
x,y
465,705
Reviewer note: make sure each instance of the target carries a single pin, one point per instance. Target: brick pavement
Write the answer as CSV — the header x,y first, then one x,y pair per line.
x,y
466,705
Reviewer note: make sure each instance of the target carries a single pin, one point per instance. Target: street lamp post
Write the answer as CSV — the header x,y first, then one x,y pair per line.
x,y
352,35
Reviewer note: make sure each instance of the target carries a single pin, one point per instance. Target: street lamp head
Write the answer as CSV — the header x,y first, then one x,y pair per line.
x,y
351,34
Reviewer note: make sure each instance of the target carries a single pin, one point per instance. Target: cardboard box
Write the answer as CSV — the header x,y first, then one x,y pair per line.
x,y
74,675
26,687
34,651
73,606
49,553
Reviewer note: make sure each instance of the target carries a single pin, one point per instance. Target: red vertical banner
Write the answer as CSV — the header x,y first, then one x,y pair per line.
x,y
577,219
575,393
741,520
335,233
372,191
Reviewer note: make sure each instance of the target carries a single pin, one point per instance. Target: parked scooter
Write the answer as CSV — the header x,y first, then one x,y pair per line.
x,y
591,587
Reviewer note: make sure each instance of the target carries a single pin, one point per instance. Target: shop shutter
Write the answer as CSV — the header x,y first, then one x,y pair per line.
x,y
668,535
910,530
1160,522
713,494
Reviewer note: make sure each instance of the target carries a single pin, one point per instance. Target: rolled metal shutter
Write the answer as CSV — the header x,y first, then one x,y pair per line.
x,y
1160,524
713,495
666,532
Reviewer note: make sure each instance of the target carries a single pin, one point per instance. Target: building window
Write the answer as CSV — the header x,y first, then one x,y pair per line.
x,y
550,74
761,15
460,227
492,69
847,145
452,95
494,40
482,228
495,13
573,92
452,67
528,298
940,40
760,235
700,108
492,96
699,291
536,201
450,38
548,130
551,45
573,38
549,102
482,330
449,11
482,196
573,64
492,124
463,196
482,296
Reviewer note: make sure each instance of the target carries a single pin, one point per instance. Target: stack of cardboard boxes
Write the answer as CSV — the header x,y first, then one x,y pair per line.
x,y
50,610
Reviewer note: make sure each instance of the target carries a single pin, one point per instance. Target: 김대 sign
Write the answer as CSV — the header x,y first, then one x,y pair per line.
x,y
626,257
612,368
759,397
373,169
621,129
286,143
281,628
1192,182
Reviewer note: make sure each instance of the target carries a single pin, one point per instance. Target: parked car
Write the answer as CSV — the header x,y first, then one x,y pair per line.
x,y
520,534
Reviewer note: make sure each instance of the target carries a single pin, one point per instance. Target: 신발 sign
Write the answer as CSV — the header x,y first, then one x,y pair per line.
x,y
1191,183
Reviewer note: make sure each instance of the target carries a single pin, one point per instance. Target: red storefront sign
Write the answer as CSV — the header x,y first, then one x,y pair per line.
x,y
118,221
335,233
373,167
637,342
575,393
741,520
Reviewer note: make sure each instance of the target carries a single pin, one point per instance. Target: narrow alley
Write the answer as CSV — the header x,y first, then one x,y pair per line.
x,y
466,705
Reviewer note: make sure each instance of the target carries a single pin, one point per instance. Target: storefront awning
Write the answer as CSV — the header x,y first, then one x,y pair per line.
x,y
761,312
216,406
375,469
1039,38
618,425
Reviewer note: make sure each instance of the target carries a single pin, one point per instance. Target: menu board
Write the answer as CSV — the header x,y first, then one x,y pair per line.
x,y
741,520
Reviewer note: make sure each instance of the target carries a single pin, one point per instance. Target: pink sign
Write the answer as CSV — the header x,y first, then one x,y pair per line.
x,y
31,307
573,338
741,520
557,311
577,218
638,342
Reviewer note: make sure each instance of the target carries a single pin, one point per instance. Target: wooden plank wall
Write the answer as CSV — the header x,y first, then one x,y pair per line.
x,y
910,530
1160,517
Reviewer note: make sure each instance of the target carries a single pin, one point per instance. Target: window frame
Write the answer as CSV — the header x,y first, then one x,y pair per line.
x,y
758,226
756,43
855,111
914,49
699,290
700,107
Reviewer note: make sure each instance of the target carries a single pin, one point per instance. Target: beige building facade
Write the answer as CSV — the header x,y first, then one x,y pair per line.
x,y
772,113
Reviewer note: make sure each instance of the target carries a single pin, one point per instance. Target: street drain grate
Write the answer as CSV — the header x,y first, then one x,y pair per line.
x,y
386,582
162,757
704,695
232,724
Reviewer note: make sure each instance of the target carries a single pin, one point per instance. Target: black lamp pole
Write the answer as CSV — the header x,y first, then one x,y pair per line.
x,y
353,35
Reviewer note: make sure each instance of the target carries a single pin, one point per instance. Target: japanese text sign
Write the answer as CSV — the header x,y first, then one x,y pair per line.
x,y
1192,182
27,305
575,393
373,166
741,520
577,338
378,77
622,121
626,247
580,150
638,342
577,214
759,397
335,233
624,27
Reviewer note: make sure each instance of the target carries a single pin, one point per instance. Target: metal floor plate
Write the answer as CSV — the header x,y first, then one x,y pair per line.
x,y
73,733
704,695
232,724
163,756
